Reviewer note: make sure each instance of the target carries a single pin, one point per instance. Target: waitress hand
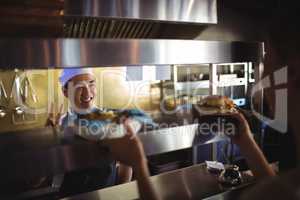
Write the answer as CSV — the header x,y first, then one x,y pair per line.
x,y
254,156
244,135
128,149
53,119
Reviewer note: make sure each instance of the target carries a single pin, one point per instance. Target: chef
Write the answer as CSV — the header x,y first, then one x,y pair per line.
x,y
79,87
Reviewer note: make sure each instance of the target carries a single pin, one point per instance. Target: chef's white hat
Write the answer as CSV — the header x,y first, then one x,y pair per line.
x,y
68,73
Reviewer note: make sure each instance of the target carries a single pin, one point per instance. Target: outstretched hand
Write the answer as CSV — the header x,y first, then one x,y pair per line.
x,y
250,150
244,134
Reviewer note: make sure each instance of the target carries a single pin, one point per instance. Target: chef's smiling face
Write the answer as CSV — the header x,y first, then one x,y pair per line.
x,y
81,91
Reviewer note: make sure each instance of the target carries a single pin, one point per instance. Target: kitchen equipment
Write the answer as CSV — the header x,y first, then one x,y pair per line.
x,y
231,176
201,76
3,95
108,18
18,110
137,19
214,167
16,91
2,112
62,53
21,90
3,99
28,90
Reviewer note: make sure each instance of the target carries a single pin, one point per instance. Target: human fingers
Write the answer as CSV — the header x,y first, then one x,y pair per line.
x,y
58,115
51,110
49,121
242,120
129,131
61,107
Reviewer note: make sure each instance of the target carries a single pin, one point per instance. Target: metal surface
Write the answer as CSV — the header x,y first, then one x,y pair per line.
x,y
178,19
72,153
176,138
61,53
41,152
188,183
75,27
199,11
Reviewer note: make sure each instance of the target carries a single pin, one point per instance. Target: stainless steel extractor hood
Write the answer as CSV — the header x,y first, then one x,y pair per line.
x,y
62,53
184,11
137,18
172,19
117,32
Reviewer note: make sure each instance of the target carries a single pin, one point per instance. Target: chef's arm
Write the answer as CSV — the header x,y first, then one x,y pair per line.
x,y
145,186
129,150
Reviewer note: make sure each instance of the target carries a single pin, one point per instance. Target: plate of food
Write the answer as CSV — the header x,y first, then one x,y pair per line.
x,y
108,124
215,104
215,115
105,115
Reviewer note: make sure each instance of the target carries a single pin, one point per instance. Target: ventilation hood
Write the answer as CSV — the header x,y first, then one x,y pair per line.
x,y
180,19
62,53
182,11
120,33
164,19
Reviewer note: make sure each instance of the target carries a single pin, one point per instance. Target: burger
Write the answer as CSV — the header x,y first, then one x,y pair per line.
x,y
214,115
216,104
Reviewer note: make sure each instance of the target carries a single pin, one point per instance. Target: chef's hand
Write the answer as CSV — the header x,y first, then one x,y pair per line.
x,y
128,149
53,119
123,117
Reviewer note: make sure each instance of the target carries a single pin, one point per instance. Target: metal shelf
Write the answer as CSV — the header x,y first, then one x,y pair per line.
x,y
251,80
232,82
192,85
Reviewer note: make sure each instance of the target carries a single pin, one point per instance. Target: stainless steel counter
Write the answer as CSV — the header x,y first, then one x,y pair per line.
x,y
27,148
176,138
188,183
177,131
42,153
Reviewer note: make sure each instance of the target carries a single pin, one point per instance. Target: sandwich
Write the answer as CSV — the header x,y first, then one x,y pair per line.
x,y
214,115
216,104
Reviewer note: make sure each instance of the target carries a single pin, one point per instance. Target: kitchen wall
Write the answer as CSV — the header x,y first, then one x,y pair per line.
x,y
40,84
237,21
